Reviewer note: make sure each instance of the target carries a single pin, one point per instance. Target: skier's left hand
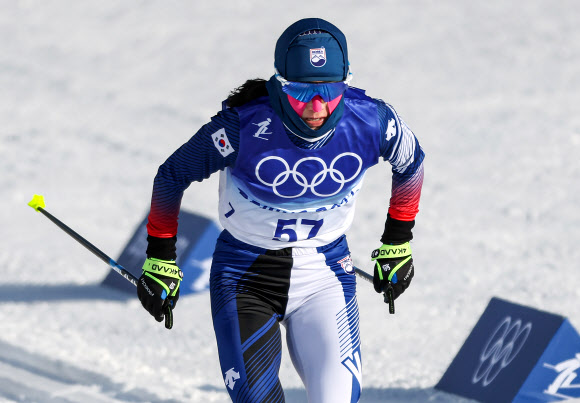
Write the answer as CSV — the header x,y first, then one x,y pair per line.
x,y
393,268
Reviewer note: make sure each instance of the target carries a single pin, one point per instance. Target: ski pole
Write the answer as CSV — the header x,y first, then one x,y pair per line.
x,y
37,203
364,275
388,294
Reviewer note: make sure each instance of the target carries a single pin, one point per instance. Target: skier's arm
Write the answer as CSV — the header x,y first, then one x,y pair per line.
x,y
194,161
401,148
394,268
212,148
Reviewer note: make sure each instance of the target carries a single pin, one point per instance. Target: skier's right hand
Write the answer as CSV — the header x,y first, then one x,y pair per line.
x,y
158,288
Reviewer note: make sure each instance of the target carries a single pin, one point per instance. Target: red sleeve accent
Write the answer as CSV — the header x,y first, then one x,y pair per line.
x,y
405,196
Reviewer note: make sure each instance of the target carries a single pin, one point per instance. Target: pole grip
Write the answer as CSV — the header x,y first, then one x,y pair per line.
x,y
388,294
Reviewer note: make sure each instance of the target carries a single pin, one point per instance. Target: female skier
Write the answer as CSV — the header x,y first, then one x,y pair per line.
x,y
292,152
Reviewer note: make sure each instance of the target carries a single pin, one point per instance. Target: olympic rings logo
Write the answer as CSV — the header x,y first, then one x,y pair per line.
x,y
300,179
502,347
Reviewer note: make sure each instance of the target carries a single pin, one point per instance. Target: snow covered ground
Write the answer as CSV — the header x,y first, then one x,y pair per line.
x,y
95,94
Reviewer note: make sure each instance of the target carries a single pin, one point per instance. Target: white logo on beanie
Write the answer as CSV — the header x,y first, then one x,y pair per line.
x,y
318,57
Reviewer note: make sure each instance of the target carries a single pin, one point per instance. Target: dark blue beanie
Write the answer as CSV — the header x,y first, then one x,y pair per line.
x,y
312,49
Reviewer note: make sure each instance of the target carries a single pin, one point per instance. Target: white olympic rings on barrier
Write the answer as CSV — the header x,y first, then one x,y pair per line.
x,y
502,347
301,180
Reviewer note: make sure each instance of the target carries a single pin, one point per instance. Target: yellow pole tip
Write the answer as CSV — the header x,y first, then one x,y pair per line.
x,y
37,202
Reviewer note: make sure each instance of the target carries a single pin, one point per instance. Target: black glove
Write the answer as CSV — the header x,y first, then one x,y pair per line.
x,y
158,288
393,271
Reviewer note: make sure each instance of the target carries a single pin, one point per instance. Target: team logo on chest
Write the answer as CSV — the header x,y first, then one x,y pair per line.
x,y
346,264
262,129
308,174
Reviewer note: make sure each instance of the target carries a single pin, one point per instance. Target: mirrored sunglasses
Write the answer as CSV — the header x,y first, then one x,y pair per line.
x,y
304,92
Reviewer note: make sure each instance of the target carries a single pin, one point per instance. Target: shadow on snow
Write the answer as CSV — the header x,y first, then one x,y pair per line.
x,y
60,292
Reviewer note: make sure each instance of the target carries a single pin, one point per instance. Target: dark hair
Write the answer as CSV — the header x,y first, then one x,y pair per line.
x,y
250,90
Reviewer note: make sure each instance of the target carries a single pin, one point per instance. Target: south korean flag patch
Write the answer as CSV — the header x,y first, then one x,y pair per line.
x,y
221,142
